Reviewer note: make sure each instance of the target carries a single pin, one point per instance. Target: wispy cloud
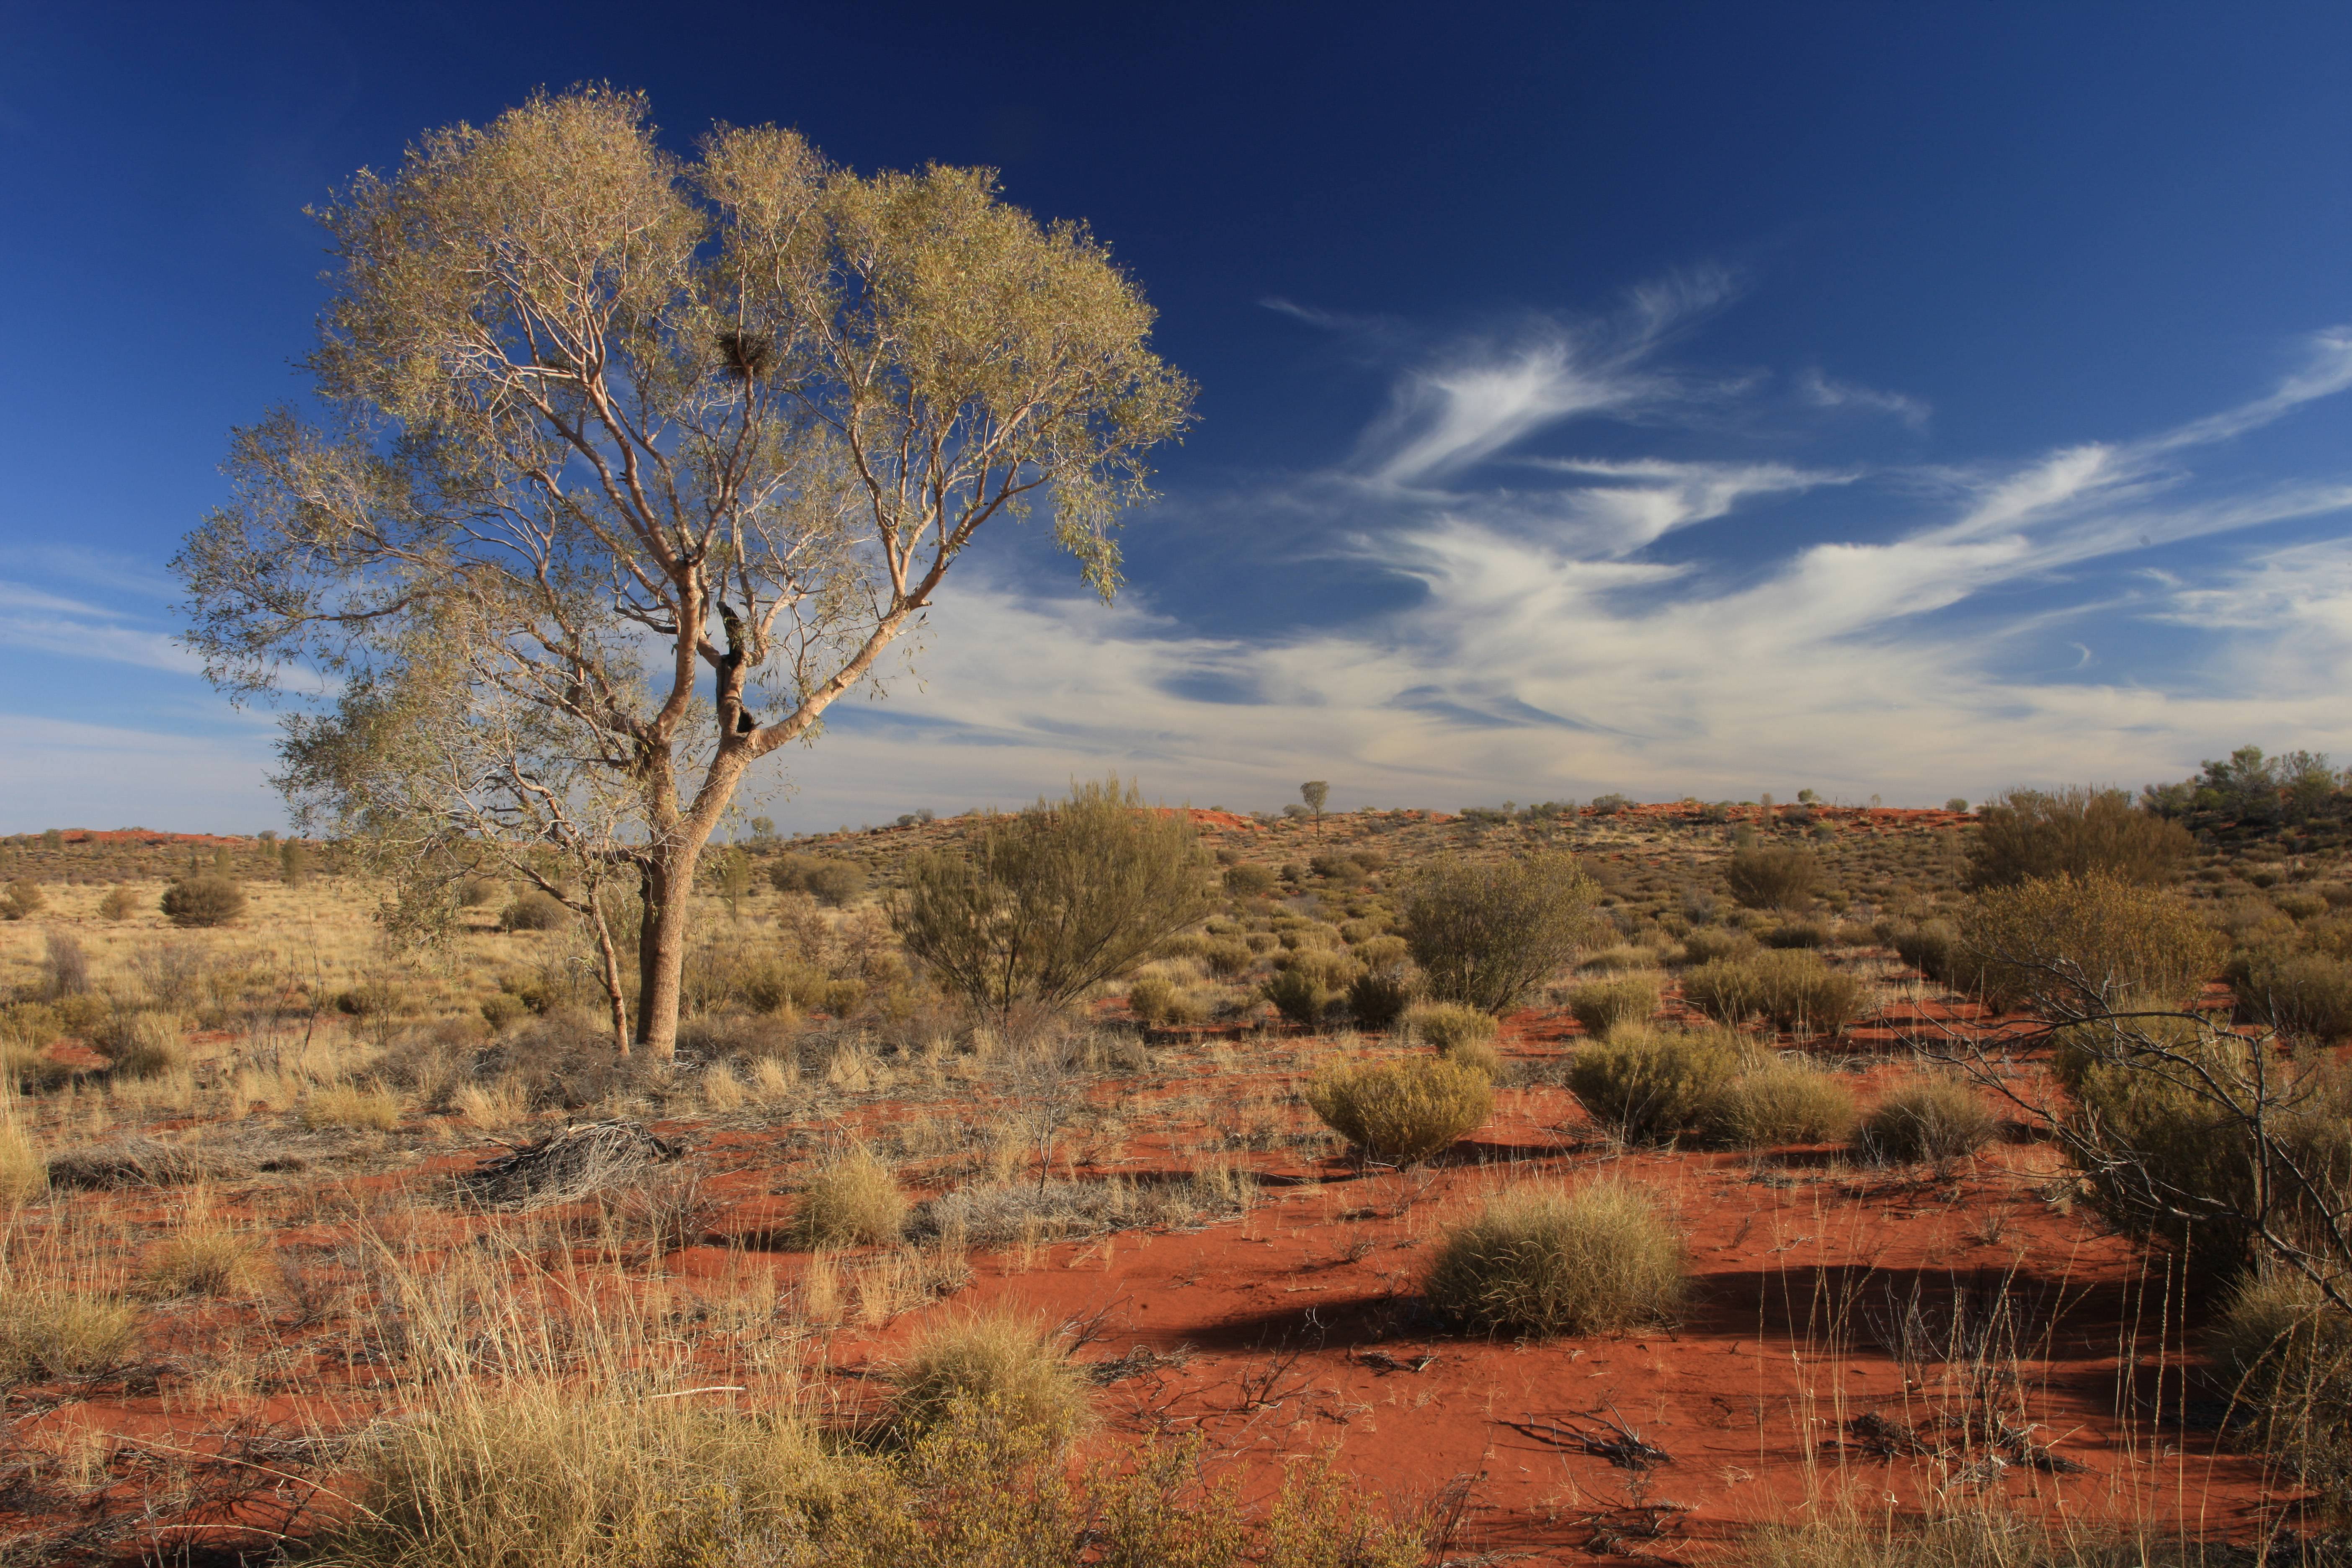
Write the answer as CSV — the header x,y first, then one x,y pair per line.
x,y
1821,391
41,621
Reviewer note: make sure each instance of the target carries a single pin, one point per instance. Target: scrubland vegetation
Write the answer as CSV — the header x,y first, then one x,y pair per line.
x,y
1807,1185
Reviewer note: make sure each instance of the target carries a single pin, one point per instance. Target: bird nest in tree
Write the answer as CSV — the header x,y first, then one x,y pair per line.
x,y
566,1167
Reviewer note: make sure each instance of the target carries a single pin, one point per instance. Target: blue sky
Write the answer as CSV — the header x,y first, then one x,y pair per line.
x,y
1905,400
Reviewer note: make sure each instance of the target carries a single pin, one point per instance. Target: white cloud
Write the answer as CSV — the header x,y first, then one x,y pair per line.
x,y
55,772
1821,392
43,622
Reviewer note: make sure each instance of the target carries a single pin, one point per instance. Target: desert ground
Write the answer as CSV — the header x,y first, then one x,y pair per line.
x,y
340,1186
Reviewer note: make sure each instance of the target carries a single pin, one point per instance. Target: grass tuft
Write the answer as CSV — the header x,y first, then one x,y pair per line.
x,y
855,1201
1405,1111
1002,1360
1537,1260
1936,1119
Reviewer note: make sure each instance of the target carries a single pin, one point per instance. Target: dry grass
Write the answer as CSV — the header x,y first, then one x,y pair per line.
x,y
205,1259
1602,1006
24,1174
854,1201
373,1108
1449,1024
1539,1261
1002,1359
143,1044
1643,1083
1960,1536
1402,1113
1936,1118
52,1332
1777,1102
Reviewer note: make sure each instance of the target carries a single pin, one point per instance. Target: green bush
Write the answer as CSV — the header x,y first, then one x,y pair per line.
x,y
2031,836
1708,944
1933,948
834,883
23,899
141,1043
1155,999
1728,991
1447,1025
1798,933
1486,934
1378,997
2307,995
1936,1118
1645,1084
1038,906
1772,875
1300,994
120,904
49,1332
1800,992
1535,1260
1777,1102
202,901
1250,881
2068,943
1228,959
499,1009
1404,1111
1602,1006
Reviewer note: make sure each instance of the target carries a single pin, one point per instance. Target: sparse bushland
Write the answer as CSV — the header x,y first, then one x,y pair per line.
x,y
1005,1360
1602,1006
1643,1084
52,1332
2036,835
202,901
1600,1259
141,1043
1403,1111
1775,1101
853,1200
1488,935
1771,876
1037,907
1936,1118
2057,944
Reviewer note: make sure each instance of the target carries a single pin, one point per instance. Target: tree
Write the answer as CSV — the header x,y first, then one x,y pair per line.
x,y
1488,933
633,465
2079,832
1314,791
1037,907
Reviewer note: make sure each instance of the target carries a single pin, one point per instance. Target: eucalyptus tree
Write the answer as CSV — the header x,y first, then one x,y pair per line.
x,y
630,465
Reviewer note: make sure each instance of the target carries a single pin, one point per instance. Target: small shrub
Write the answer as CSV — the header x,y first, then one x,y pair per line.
x,y
202,901
1797,991
65,967
1007,1362
1535,1260
23,901
1710,944
534,910
1728,991
141,1043
1447,1025
1936,1118
2071,942
2030,835
479,893
2307,995
1777,1102
2290,1350
1405,1111
59,1333
1228,959
1250,879
854,1201
1933,948
123,1163
203,1261
120,904
1600,1005
1772,877
501,1009
1646,1084
1378,997
1488,935
1798,933
1157,1000
1299,993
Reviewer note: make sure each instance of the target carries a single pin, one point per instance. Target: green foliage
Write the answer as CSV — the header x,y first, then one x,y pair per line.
x,y
1778,1101
1040,906
1708,943
1644,1084
293,863
1301,993
1936,1118
1536,1260
1728,991
1404,1111
202,901
1772,875
1602,1006
1449,1026
23,901
2068,943
2033,835
120,904
1250,881
1486,934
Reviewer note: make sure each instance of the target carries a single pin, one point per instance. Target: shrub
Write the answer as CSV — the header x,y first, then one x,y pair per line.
x,y
1710,943
203,1261
1777,1102
2033,835
2290,1350
1300,994
1007,1362
23,901
501,1009
1038,906
2068,942
1936,1118
1797,934
2307,995
1448,1026
199,901
140,1043
1536,1260
65,967
1250,879
834,883
853,1201
1728,991
1602,1006
1933,948
1797,991
1772,875
59,1333
1227,958
1488,935
1378,997
534,910
1647,1083
1402,1113
120,904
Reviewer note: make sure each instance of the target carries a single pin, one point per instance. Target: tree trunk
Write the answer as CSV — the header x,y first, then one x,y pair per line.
x,y
668,880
